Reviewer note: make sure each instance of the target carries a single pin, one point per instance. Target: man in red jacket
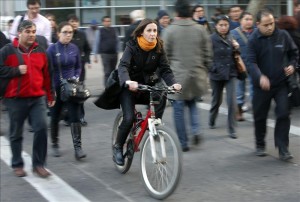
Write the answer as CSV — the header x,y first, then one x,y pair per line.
x,y
24,65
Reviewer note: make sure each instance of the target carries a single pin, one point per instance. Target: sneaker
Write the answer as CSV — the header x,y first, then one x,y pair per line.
x,y
284,154
261,152
55,151
233,135
19,172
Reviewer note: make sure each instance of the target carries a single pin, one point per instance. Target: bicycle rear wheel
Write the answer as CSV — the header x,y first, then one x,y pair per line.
x,y
161,177
128,148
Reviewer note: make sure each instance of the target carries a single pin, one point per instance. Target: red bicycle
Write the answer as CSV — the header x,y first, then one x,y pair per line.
x,y
161,157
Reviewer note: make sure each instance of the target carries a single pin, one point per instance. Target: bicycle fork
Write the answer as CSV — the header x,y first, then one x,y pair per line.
x,y
153,134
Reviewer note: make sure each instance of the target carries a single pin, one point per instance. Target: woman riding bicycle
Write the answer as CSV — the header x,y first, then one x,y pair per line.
x,y
143,62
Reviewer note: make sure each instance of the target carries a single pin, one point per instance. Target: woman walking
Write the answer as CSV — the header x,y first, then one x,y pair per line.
x,y
65,57
223,73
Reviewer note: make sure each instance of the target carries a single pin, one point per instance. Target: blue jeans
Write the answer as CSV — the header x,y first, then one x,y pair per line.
x,y
18,110
179,119
241,91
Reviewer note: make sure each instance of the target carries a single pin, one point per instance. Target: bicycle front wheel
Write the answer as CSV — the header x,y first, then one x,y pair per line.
x,y
161,176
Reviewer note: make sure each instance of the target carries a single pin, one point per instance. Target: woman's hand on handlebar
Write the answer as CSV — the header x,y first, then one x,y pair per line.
x,y
177,87
132,85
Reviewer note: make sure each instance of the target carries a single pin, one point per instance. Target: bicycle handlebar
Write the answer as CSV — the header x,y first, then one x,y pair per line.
x,y
168,89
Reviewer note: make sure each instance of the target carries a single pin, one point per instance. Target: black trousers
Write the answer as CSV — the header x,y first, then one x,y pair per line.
x,y
128,100
261,105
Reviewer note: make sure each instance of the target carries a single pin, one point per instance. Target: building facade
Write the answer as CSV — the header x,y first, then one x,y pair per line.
x,y
119,9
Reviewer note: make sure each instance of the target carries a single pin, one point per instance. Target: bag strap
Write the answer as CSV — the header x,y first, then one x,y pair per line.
x,y
58,61
239,31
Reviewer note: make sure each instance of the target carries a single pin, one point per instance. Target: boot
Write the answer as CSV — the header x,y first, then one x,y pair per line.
x,y
54,139
76,135
118,154
239,114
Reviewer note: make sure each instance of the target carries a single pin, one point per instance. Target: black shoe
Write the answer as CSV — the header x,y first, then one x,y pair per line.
x,y
185,149
118,154
233,135
285,155
83,122
197,139
260,152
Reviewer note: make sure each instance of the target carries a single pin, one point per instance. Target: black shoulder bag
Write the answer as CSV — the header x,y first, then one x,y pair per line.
x,y
71,89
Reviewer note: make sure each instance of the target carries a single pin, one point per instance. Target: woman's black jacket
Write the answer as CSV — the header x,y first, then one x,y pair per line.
x,y
144,67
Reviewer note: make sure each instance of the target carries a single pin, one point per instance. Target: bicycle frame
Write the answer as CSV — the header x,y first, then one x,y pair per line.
x,y
149,122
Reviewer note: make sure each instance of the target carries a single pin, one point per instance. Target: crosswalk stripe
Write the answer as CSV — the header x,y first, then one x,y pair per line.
x,y
52,189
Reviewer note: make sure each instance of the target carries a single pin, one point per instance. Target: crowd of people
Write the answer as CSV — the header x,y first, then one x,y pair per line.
x,y
186,52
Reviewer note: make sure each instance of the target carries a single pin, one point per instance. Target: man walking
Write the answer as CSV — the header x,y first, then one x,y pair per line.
x,y
43,25
189,67
107,45
24,63
273,57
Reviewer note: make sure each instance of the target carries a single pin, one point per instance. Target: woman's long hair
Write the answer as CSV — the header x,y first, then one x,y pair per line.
x,y
140,29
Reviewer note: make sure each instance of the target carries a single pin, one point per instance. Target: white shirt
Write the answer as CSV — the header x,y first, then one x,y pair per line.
x,y
43,27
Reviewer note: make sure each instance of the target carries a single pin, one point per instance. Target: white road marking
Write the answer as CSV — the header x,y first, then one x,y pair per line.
x,y
295,130
52,189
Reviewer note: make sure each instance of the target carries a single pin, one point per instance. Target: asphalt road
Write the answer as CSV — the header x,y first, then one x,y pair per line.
x,y
219,170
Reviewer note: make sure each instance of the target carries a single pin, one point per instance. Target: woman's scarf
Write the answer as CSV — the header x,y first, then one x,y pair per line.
x,y
145,45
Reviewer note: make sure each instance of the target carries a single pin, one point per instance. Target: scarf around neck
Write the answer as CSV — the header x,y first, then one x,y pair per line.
x,y
145,45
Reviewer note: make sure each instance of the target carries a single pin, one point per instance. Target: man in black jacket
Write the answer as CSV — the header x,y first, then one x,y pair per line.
x,y
273,57
107,45
80,40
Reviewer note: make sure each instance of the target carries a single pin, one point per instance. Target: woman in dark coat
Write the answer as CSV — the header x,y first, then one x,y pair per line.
x,y
143,62
223,73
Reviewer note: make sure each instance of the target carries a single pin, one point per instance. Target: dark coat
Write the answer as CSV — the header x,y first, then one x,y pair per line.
x,y
136,65
268,55
223,67
80,40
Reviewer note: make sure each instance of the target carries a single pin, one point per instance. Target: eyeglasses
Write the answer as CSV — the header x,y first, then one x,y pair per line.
x,y
66,32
